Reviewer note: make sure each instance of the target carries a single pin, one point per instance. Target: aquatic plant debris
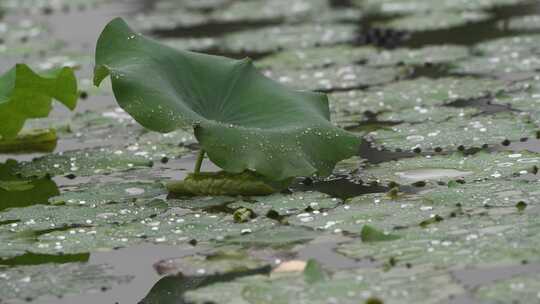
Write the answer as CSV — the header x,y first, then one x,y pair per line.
x,y
439,204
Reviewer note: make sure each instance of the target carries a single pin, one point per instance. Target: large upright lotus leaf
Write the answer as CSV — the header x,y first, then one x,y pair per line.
x,y
242,119
25,94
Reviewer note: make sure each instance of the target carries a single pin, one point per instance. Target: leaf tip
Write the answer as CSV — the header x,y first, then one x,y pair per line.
x,y
100,72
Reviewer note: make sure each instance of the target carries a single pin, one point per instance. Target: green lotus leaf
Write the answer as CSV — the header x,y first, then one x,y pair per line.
x,y
25,95
243,120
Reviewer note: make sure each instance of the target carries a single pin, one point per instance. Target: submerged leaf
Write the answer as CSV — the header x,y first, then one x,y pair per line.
x,y
16,191
370,234
223,183
16,186
314,273
243,120
25,95
35,140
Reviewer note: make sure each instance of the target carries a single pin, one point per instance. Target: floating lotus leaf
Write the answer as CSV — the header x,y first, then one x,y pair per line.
x,y
33,282
393,7
466,237
350,286
337,77
523,23
82,163
421,56
286,37
466,131
212,263
502,56
480,166
520,288
372,209
101,193
316,57
420,114
485,194
435,21
420,92
289,205
412,95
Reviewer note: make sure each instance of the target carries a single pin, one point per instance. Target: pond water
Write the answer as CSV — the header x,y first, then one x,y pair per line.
x,y
443,95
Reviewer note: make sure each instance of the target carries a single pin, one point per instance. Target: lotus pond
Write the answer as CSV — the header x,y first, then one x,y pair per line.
x,y
421,188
